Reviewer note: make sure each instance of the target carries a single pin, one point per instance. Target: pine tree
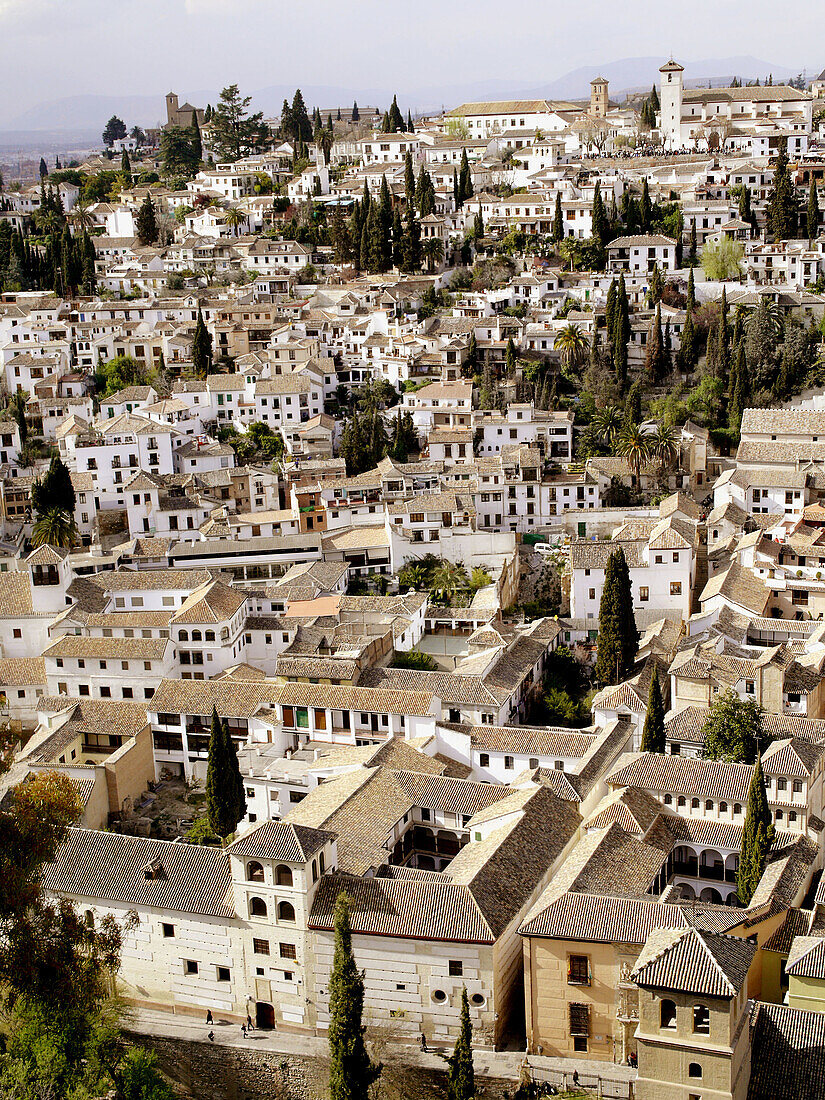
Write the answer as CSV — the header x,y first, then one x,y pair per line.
x,y
54,490
757,837
812,214
44,168
145,223
461,1075
201,348
558,221
653,734
126,168
351,1072
225,798
618,636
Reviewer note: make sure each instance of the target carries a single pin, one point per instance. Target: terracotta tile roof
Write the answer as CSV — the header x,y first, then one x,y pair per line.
x,y
213,602
806,958
689,961
788,1045
123,649
111,867
280,840
20,671
343,697
684,775
541,740
15,595
233,698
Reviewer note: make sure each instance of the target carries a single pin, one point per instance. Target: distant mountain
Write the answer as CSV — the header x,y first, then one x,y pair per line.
x,y
90,112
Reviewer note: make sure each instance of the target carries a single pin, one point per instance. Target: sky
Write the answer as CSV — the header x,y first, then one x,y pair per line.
x,y
50,49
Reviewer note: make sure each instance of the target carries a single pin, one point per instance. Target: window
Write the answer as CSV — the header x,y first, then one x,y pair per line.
x,y
579,1020
223,974
694,1070
701,1020
484,760
644,594
508,763
797,786
287,951
676,588
439,996
254,872
260,947
781,784
168,931
283,875
456,968
578,970
190,966
257,907
667,1014
286,912
694,803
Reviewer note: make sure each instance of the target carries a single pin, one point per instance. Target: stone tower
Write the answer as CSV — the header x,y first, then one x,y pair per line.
x,y
171,109
598,97
671,103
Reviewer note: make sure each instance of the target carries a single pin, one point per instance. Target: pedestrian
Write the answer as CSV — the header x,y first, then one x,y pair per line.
x,y
423,1042
575,1077
209,1019
243,1030
248,1022
211,1036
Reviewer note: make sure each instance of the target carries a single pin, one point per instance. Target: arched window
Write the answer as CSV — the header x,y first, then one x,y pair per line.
x,y
257,907
668,800
321,862
254,872
737,808
183,636
681,800
701,1020
723,807
283,875
694,1070
286,912
314,870
209,635
196,636
667,1014
694,803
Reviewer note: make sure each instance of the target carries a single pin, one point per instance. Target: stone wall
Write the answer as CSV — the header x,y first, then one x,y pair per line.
x,y
207,1071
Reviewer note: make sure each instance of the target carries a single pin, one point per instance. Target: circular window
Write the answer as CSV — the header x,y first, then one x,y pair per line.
x,y
477,999
439,996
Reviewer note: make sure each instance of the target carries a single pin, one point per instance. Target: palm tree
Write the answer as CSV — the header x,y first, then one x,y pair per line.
x,y
664,445
480,578
413,576
572,343
448,580
634,445
80,216
55,528
234,218
608,423
433,249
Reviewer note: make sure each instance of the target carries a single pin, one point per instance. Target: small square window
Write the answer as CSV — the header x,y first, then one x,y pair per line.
x,y
190,966
456,968
224,974
168,931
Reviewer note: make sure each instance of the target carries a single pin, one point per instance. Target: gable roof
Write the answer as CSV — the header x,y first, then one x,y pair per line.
x,y
281,840
685,960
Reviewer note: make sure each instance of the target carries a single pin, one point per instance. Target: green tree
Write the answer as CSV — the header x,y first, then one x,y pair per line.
x,y
201,348
634,445
355,115
146,223
688,354
351,1071
197,141
618,636
236,132
812,217
115,130
653,734
782,210
692,251
645,208
733,729
126,168
738,390
225,797
655,359
178,153
54,490
757,837
396,119
17,407
558,221
55,528
409,179
448,581
461,1075
571,343
633,406
723,259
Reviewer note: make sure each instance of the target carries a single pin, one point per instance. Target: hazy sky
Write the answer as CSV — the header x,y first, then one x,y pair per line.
x,y
55,48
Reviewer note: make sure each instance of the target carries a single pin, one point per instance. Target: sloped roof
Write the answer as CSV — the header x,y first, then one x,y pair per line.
x,y
689,961
281,840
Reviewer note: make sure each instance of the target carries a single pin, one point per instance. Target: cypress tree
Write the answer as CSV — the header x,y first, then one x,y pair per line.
x,y
197,141
54,490
396,118
739,390
600,226
411,248
653,734
645,208
781,212
655,351
610,310
409,179
338,115
126,168
44,168
385,123
558,221
410,128
654,294
225,798
456,202
461,1076
757,837
633,406
351,1072
812,214
364,247
145,223
355,113
691,294
692,254
397,240
465,179
385,227
618,636
201,348
510,358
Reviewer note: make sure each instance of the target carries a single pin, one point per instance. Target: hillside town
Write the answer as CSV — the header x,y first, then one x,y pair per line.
x,y
429,512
